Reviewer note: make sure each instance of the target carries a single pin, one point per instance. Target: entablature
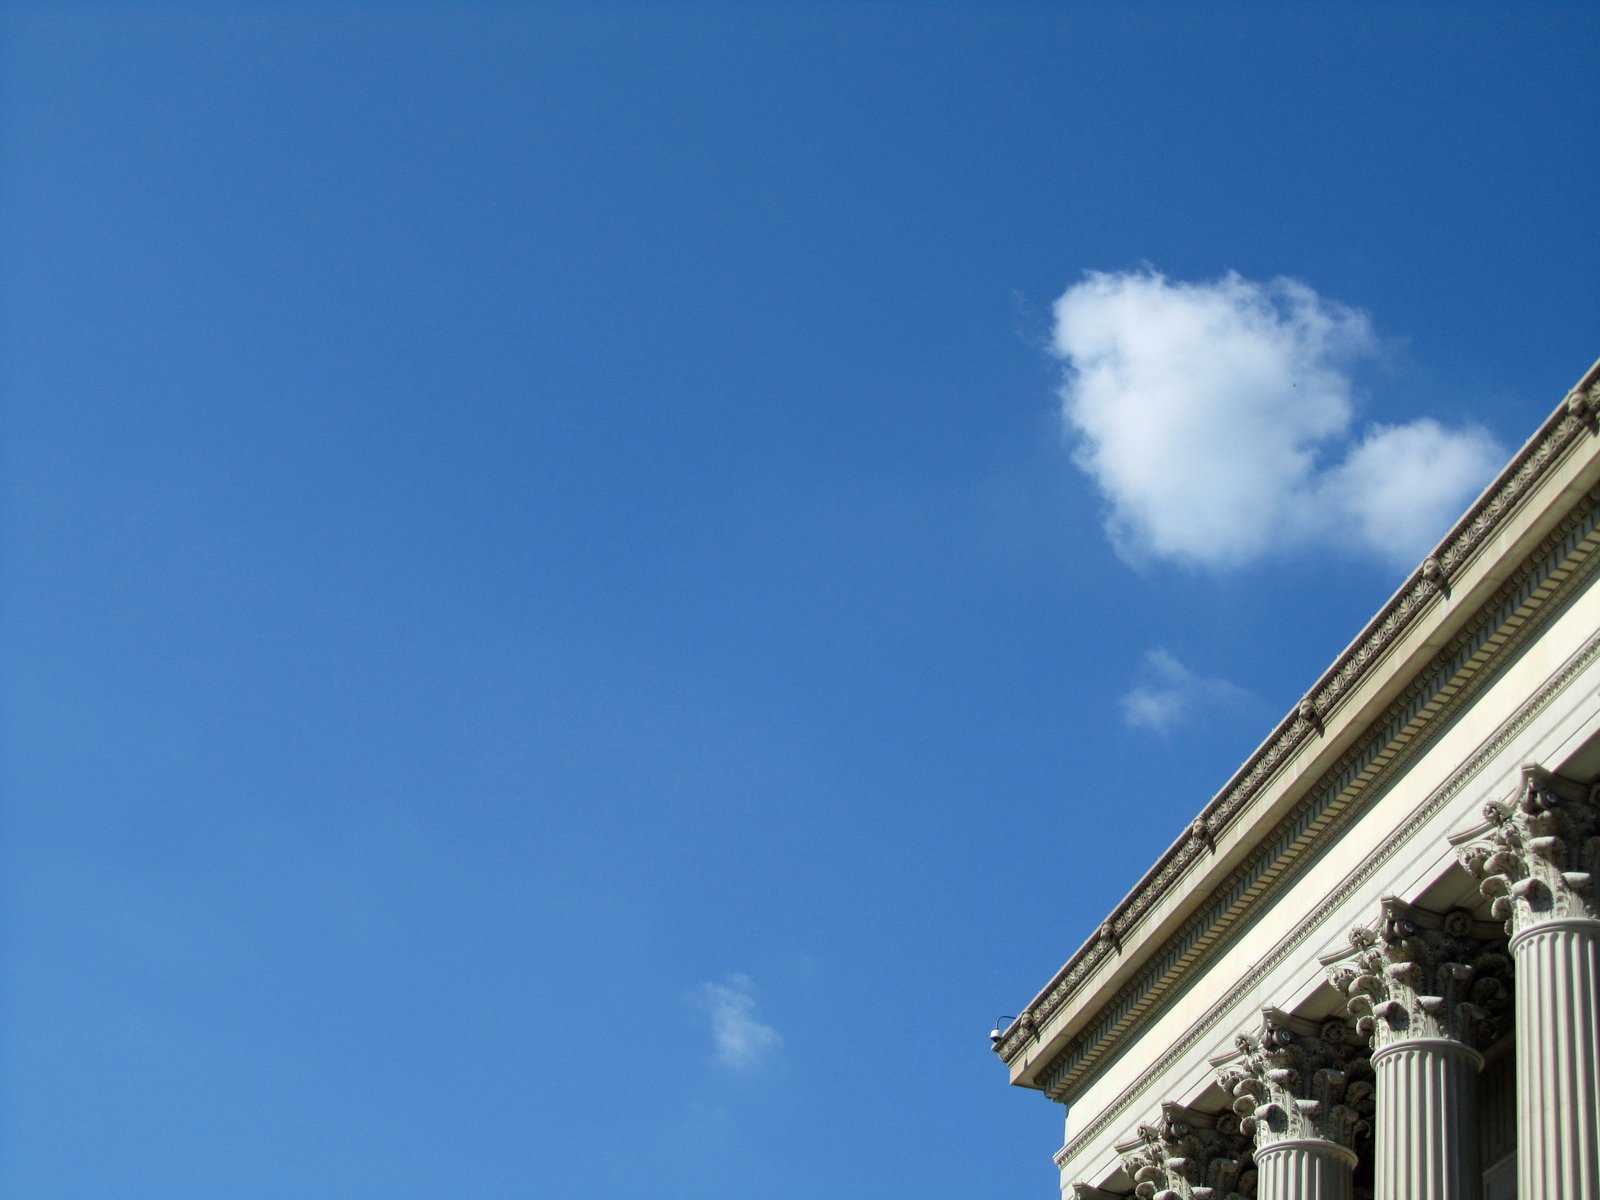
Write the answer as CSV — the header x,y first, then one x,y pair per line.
x,y
1527,544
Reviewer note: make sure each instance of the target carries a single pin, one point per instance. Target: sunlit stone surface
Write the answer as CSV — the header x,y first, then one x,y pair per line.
x,y
1370,967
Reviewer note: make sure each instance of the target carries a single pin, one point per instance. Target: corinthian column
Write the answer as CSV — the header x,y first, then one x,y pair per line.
x,y
1427,990
1189,1155
1537,869
1304,1093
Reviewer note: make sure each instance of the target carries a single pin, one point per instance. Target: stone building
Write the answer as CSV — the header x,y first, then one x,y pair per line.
x,y
1371,964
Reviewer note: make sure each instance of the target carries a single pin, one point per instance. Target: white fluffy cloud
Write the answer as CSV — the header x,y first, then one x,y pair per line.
x,y
1218,421
741,1042
1403,484
1171,693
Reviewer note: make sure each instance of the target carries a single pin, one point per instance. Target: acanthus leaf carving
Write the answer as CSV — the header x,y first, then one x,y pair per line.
x,y
1540,860
1421,974
1188,1155
1298,1079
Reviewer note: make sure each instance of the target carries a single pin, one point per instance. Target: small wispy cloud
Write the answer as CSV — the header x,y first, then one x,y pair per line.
x,y
1171,693
741,1042
1218,421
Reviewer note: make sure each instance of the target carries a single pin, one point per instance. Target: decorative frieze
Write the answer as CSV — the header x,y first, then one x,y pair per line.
x,y
1574,420
1298,1080
1426,975
1508,733
1173,970
1539,862
1188,1155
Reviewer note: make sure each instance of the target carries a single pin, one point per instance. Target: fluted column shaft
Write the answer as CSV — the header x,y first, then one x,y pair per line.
x,y
1425,1130
1558,1058
1538,868
1304,1169
1428,988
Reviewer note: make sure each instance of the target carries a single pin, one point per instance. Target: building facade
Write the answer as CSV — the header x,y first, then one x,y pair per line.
x,y
1371,965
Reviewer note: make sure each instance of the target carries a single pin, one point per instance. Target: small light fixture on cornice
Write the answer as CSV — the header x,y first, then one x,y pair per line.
x,y
998,1031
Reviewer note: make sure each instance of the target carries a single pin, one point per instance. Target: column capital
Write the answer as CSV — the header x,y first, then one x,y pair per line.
x,y
1301,1080
1189,1155
1539,861
1421,975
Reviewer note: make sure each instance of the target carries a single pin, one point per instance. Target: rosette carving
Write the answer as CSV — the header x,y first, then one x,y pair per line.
x,y
1421,974
1298,1079
1539,863
1188,1155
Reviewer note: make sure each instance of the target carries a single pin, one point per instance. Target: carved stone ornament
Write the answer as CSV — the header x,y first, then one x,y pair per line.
x,y
1108,934
1298,1079
1421,974
1188,1155
1585,405
1578,417
1540,861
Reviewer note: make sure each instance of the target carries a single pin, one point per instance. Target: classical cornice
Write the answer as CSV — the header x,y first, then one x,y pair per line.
x,y
1223,1009
1576,419
1520,609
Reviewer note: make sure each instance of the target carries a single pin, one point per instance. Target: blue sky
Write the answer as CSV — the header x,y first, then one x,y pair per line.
x,y
590,591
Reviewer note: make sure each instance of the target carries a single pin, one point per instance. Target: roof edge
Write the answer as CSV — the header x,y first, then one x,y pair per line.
x,y
1578,413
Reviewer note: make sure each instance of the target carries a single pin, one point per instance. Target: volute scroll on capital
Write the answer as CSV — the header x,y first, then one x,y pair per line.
x,y
1539,862
1301,1079
1421,974
1189,1155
